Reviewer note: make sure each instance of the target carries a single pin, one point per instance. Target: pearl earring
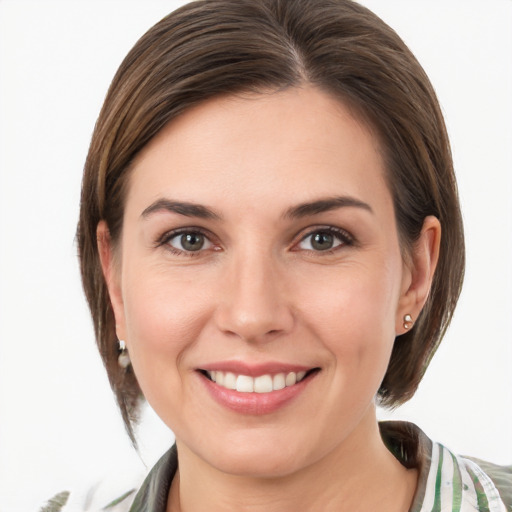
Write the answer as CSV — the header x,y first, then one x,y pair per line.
x,y
407,321
124,358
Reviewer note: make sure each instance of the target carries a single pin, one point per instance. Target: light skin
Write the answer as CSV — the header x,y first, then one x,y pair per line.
x,y
287,251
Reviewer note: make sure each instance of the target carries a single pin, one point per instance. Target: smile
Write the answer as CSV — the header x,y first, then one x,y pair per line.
x,y
260,384
256,389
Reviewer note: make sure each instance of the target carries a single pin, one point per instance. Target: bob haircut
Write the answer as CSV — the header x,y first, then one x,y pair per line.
x,y
221,47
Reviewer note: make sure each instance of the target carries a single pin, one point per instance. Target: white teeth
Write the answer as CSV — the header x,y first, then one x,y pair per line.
x,y
245,384
261,384
279,381
229,380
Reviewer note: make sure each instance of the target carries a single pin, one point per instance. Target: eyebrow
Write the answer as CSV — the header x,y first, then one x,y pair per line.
x,y
181,208
325,205
296,212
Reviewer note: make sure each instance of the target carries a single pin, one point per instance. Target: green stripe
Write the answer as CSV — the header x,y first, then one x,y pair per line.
x,y
112,504
457,486
439,479
483,503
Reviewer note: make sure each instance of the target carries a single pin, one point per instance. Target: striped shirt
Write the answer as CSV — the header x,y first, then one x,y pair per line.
x,y
457,484
447,482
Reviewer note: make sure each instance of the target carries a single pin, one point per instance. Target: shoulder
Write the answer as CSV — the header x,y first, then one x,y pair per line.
x,y
448,481
152,496
501,477
459,483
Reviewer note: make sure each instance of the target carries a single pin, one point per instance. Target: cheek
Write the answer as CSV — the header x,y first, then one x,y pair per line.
x,y
163,320
356,299
353,313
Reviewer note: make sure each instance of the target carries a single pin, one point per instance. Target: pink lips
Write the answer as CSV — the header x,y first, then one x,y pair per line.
x,y
254,403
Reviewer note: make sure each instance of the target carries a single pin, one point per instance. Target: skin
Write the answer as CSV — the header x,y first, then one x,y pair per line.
x,y
259,291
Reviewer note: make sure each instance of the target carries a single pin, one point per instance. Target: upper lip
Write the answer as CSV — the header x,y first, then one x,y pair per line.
x,y
254,370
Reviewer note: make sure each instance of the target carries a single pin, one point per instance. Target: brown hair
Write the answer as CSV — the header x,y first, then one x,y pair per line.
x,y
213,47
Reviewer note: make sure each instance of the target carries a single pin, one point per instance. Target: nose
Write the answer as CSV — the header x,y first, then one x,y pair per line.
x,y
254,305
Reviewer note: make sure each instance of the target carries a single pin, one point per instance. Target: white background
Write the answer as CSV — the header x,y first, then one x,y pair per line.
x,y
59,427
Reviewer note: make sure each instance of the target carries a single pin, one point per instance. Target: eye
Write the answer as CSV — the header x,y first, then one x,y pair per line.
x,y
189,241
324,240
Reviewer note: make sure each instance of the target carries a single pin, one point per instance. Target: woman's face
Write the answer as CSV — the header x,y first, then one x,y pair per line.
x,y
259,248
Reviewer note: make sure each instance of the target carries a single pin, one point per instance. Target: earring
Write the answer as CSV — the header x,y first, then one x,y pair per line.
x,y
407,321
124,358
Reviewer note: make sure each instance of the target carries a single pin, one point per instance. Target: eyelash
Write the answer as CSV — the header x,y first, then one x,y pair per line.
x,y
345,239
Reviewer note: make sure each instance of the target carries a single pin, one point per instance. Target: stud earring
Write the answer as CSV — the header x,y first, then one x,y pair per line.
x,y
124,358
407,321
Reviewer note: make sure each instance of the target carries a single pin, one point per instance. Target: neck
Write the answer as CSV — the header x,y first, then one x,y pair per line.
x,y
358,475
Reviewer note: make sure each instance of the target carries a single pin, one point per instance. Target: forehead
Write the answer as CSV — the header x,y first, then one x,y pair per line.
x,y
282,146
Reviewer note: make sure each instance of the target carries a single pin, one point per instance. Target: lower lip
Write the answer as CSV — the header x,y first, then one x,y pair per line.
x,y
255,403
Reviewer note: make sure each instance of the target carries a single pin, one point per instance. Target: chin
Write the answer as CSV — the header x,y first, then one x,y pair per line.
x,y
265,464
258,456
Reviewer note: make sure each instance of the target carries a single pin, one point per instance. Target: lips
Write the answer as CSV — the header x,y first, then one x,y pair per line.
x,y
256,389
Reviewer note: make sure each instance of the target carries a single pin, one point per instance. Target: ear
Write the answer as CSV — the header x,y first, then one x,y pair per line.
x,y
111,273
418,274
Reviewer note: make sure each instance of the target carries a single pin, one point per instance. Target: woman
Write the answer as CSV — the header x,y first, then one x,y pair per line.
x,y
270,238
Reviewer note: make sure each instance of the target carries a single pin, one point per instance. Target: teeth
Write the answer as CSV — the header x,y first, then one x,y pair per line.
x,y
262,384
279,381
244,384
291,379
229,380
